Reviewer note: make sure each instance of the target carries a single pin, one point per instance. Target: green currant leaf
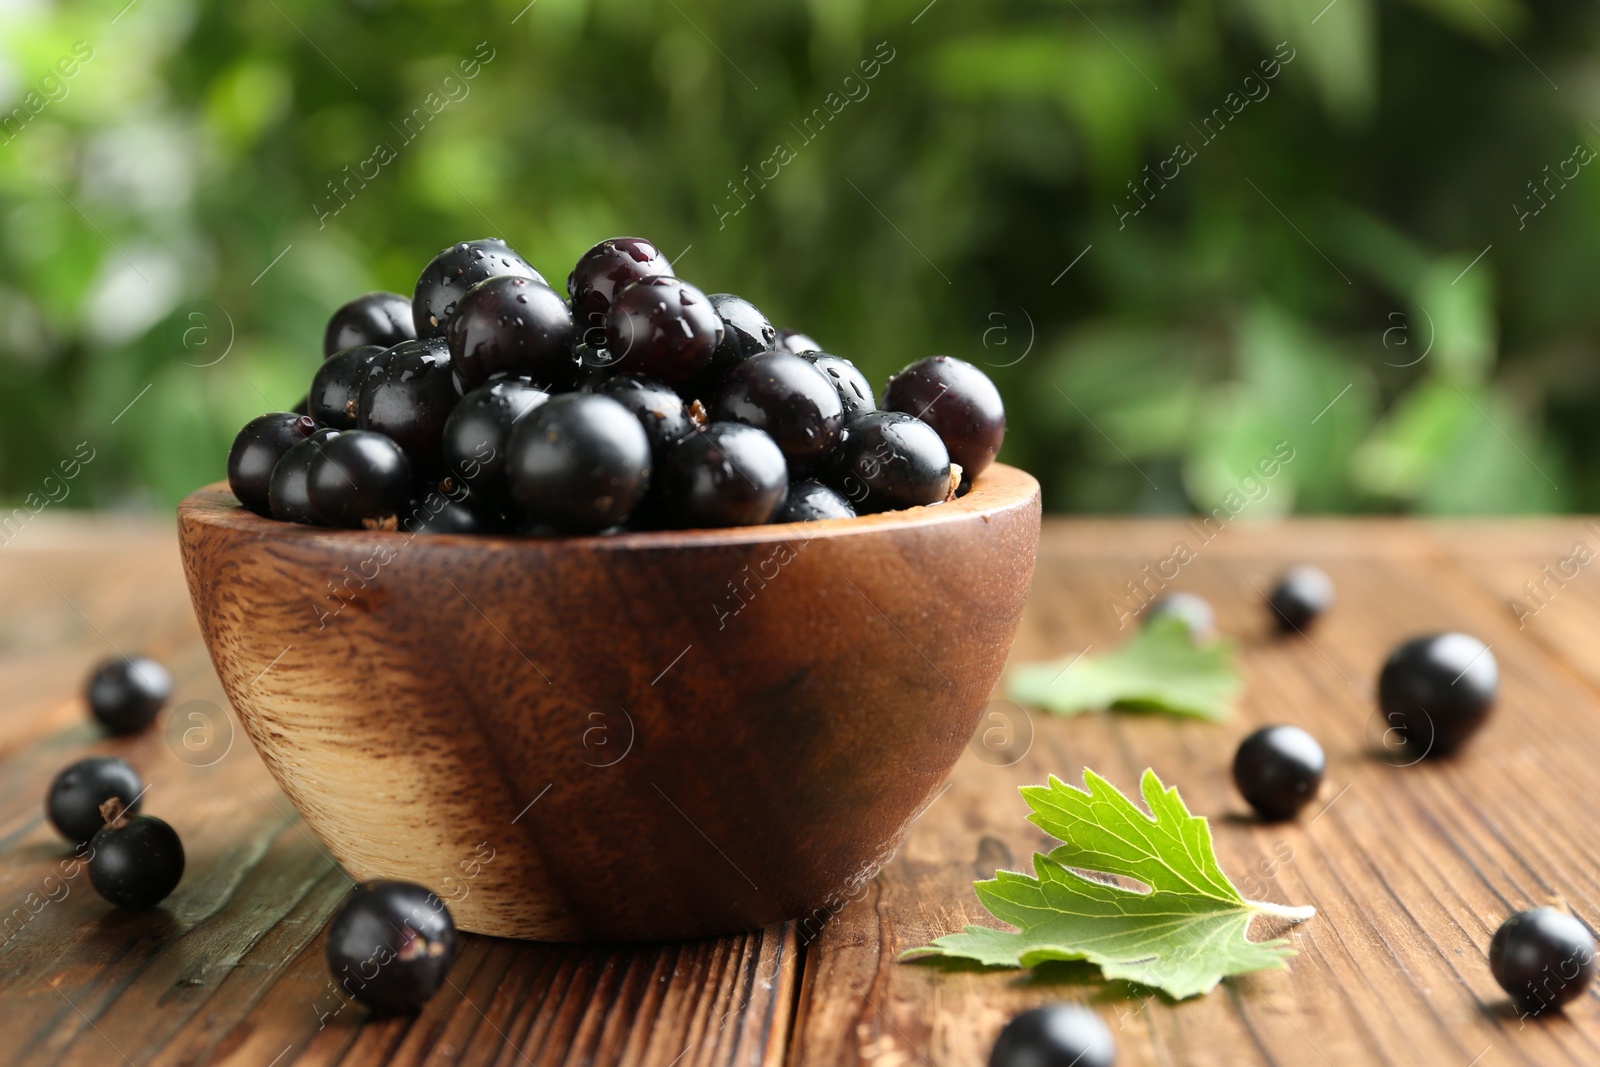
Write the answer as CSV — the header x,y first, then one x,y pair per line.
x,y
1160,668
1182,936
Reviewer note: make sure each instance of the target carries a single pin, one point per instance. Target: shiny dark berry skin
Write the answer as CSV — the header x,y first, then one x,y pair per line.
x,y
478,432
727,474
795,341
659,409
290,500
382,319
604,271
514,327
1195,612
409,398
789,398
579,462
438,514
1056,1035
137,861
888,460
809,501
391,944
1301,595
448,276
855,392
663,328
1278,769
359,479
257,449
959,401
336,387
745,331
1436,691
125,695
1543,958
73,803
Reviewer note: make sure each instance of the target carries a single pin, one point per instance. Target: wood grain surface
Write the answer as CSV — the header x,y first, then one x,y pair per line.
x,y
1411,868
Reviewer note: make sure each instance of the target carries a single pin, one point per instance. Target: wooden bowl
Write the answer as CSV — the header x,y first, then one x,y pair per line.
x,y
637,737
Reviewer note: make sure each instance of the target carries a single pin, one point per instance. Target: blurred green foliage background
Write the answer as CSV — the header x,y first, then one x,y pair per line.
x,y
1357,230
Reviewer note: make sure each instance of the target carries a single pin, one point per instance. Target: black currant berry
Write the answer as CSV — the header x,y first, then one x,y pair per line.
x,y
336,387
73,803
855,392
1278,769
137,859
408,399
448,276
794,402
603,272
1543,958
663,328
257,449
1436,691
579,462
478,433
959,401
658,408
515,327
888,460
438,514
391,944
382,319
796,342
359,479
127,694
745,331
1195,612
1301,595
287,494
1057,1035
727,474
809,501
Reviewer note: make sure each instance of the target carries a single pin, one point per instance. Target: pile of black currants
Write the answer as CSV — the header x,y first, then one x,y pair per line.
x,y
489,403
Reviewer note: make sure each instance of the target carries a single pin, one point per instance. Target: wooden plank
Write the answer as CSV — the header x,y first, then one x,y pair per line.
x,y
229,969
1411,868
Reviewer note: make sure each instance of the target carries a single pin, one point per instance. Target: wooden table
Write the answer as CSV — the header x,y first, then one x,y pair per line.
x,y
1411,869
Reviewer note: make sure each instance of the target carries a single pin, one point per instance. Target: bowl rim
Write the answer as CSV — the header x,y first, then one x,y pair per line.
x,y
1000,488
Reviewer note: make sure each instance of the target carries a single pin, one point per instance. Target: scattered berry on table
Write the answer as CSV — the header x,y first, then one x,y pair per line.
x,y
137,860
959,401
73,803
579,462
1057,1035
390,945
382,319
126,694
1194,610
257,449
448,276
359,479
1278,769
1543,958
1301,595
1437,691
